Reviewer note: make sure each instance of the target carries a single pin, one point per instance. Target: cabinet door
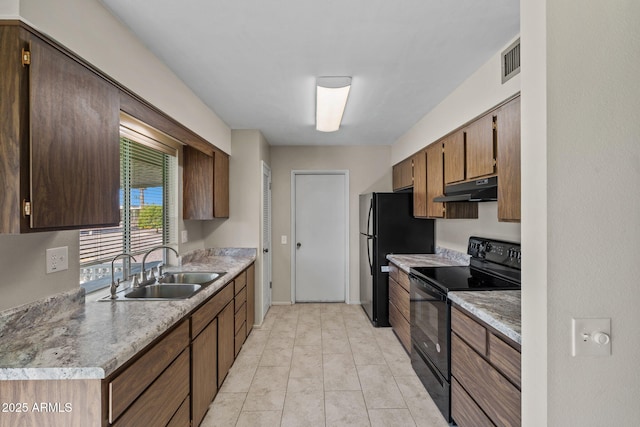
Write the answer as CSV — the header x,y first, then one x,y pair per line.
x,y
204,381
403,174
480,147
197,194
220,185
420,185
454,158
251,297
75,148
508,135
226,341
435,180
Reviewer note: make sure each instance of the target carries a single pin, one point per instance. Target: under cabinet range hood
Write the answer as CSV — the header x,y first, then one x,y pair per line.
x,y
480,190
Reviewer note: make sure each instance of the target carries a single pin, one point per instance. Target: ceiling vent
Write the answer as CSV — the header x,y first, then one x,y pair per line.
x,y
511,61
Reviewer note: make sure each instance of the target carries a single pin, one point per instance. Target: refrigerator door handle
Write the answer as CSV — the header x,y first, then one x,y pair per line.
x,y
369,231
369,239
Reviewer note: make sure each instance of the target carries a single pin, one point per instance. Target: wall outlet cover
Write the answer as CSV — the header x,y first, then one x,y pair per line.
x,y
57,259
591,337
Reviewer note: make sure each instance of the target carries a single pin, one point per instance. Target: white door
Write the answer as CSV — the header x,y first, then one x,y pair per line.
x,y
320,236
266,239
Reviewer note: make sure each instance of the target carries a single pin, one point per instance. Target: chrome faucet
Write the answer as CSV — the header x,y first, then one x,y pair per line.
x,y
114,284
143,278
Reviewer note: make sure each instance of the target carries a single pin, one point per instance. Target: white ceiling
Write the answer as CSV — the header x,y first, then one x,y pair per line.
x,y
254,62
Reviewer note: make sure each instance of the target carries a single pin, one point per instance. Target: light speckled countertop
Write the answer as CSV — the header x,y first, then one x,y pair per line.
x,y
442,258
68,336
500,309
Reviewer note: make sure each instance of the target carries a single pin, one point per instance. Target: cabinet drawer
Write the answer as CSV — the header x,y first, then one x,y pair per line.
x,y
157,405
399,276
469,330
128,385
464,411
181,418
399,297
240,281
241,335
400,327
210,309
241,298
497,397
241,317
505,358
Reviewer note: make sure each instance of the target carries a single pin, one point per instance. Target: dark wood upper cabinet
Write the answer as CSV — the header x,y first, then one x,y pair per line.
x,y
435,180
480,147
197,178
60,139
220,184
454,158
205,184
403,174
75,148
420,184
508,136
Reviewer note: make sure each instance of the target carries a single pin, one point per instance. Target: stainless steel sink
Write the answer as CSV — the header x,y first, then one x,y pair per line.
x,y
172,286
163,291
196,277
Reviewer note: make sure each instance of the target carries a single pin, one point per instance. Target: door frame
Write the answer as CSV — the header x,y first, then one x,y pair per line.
x,y
264,168
295,173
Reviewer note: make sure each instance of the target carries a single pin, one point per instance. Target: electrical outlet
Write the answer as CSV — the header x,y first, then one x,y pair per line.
x,y
57,259
283,240
184,236
591,337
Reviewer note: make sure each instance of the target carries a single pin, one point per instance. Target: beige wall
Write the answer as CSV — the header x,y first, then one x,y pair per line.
x,y
243,227
369,170
590,103
87,28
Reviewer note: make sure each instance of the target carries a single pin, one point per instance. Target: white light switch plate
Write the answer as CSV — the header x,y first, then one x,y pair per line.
x,y
283,240
184,236
591,337
57,259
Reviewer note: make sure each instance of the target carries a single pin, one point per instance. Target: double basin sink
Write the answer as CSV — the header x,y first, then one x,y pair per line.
x,y
171,286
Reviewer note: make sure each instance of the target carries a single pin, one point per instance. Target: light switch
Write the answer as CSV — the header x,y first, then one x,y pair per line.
x,y
591,337
283,240
57,259
184,236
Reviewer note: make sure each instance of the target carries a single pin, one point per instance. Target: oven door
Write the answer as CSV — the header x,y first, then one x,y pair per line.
x,y
430,320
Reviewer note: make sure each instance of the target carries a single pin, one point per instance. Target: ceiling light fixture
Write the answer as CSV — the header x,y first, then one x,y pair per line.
x,y
331,99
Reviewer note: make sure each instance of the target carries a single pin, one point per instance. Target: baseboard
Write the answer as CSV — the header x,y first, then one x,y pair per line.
x,y
281,303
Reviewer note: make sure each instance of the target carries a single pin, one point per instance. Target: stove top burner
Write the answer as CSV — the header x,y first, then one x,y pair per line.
x,y
464,278
495,265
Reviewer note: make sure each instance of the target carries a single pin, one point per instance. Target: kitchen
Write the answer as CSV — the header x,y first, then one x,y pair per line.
x,y
556,220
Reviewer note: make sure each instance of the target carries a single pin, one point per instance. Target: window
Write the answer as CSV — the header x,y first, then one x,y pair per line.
x,y
147,207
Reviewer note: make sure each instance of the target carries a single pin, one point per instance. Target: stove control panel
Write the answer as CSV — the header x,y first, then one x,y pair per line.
x,y
497,251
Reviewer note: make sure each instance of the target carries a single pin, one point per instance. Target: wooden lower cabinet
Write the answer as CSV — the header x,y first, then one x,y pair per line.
x,y
204,371
399,314
171,382
485,371
226,341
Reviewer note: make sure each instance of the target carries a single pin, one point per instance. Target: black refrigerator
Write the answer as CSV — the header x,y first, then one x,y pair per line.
x,y
387,226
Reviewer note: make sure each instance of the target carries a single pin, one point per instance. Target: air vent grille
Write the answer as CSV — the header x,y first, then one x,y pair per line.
x,y
511,61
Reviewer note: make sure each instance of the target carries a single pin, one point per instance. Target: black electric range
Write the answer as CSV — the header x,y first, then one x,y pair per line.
x,y
494,265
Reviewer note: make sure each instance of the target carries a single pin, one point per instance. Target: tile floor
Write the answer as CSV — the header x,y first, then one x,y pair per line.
x,y
322,365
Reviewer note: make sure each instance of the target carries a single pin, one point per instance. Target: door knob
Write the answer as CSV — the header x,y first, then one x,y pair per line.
x,y
298,245
266,250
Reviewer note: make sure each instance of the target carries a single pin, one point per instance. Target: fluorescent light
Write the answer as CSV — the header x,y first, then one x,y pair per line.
x,y
331,99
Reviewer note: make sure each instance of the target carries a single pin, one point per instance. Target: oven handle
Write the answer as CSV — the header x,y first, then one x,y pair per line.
x,y
421,286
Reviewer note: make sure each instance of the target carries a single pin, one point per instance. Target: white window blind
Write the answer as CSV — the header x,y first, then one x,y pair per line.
x,y
146,192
